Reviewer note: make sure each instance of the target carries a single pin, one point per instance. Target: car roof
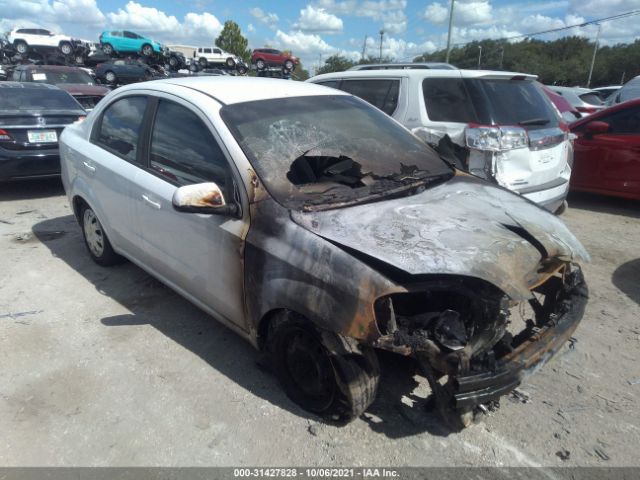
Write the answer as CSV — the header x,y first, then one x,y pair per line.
x,y
28,85
406,65
424,73
231,89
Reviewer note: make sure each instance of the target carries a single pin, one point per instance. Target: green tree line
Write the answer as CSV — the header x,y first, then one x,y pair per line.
x,y
565,61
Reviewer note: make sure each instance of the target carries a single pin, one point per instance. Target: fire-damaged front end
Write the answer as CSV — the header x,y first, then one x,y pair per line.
x,y
481,297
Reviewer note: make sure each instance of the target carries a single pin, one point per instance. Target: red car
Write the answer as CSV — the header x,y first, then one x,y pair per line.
x,y
568,112
607,152
270,57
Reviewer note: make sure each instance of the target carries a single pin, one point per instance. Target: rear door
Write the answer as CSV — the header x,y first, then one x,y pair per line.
x,y
610,161
199,254
110,165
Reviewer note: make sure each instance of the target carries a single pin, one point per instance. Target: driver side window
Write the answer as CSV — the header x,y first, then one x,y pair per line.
x,y
183,149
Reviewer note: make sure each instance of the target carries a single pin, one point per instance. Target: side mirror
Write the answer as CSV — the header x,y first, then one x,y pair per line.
x,y
204,198
597,127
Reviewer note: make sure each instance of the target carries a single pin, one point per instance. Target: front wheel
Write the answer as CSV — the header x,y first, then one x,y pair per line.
x,y
260,65
203,62
21,48
107,49
66,48
147,50
96,240
289,65
230,62
110,77
323,372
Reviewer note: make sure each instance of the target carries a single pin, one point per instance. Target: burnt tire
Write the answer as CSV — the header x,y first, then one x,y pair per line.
x,y
323,372
96,240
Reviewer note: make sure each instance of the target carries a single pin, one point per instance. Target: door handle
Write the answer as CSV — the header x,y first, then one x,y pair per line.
x,y
89,167
155,205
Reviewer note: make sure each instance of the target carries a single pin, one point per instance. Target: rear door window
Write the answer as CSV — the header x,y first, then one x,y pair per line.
x,y
624,122
330,83
592,98
447,100
381,93
120,125
183,149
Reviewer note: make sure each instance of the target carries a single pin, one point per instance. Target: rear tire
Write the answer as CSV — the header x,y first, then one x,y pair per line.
x,y
230,62
21,47
110,77
147,50
96,240
107,49
260,64
203,62
289,65
66,48
323,372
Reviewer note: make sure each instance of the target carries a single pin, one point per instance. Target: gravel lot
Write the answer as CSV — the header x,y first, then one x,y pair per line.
x,y
107,367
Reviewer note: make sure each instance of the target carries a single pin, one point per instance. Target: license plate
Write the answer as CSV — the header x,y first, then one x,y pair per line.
x,y
42,136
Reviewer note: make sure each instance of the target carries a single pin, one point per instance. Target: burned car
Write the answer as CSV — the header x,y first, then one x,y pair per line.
x,y
320,230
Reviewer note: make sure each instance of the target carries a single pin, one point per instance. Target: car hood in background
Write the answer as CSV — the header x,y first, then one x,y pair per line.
x,y
462,227
81,89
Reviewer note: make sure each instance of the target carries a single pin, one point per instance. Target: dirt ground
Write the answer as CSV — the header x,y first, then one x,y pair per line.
x,y
107,367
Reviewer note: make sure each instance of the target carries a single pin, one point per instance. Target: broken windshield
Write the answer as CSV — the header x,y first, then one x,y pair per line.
x,y
329,150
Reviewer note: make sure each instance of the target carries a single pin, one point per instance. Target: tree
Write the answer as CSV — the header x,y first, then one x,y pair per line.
x,y
300,73
335,63
232,41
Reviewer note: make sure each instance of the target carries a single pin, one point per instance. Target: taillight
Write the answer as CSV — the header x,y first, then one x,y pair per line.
x,y
496,139
587,109
4,135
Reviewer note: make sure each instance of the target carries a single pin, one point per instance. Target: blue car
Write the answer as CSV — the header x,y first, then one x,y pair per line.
x,y
123,41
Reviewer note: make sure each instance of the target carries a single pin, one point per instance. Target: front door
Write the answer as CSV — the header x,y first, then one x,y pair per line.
x,y
201,255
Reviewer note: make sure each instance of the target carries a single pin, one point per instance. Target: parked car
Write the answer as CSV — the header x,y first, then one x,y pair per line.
x,y
606,92
73,80
270,57
32,117
409,65
607,151
214,55
123,71
499,126
319,229
582,99
25,38
124,41
629,91
568,112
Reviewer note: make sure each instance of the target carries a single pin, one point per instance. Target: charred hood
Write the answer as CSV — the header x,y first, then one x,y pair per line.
x,y
463,227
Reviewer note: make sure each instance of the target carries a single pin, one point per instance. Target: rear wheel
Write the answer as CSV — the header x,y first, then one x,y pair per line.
x,y
107,49
203,62
173,62
289,65
260,64
323,372
147,50
96,240
230,62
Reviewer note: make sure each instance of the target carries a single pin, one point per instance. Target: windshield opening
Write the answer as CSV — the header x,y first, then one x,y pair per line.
x,y
329,150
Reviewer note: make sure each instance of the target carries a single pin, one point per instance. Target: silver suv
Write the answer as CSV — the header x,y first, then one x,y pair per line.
x,y
500,125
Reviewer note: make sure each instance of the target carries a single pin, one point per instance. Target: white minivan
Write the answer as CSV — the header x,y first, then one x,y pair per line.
x,y
500,125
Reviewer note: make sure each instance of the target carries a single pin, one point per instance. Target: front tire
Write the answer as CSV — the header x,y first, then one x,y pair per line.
x,y
260,65
203,62
21,47
107,49
66,48
289,65
230,62
147,50
96,240
323,372
110,77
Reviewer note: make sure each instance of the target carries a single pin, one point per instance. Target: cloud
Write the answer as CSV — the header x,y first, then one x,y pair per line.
x,y
269,19
303,43
436,13
251,28
464,13
55,13
317,20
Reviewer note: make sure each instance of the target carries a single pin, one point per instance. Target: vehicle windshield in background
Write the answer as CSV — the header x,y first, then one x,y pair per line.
x,y
592,98
488,102
327,150
55,78
37,99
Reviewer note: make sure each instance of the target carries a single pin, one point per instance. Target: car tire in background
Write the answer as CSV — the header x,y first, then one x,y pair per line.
x,y
241,69
66,48
96,240
194,67
21,47
173,63
147,50
203,62
79,59
107,49
260,64
230,62
323,372
289,65
110,77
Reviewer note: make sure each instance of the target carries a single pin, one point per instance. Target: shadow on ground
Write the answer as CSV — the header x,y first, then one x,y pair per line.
x,y
26,189
627,279
150,302
604,204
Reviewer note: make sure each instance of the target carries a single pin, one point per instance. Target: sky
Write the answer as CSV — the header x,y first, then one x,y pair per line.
x,y
317,29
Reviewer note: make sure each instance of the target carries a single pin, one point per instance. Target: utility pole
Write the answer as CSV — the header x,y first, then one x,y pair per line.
x,y
479,56
501,56
622,79
364,47
449,33
593,59
381,35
